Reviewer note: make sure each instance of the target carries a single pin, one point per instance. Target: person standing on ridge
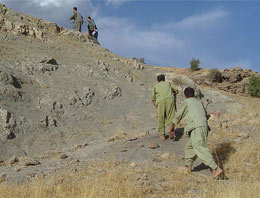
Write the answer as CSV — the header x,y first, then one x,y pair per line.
x,y
92,30
163,97
196,127
78,19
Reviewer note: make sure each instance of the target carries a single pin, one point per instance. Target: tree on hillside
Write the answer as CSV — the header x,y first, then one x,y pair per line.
x,y
254,86
194,64
215,75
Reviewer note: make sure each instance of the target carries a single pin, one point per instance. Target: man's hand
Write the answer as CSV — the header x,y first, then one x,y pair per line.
x,y
154,103
171,132
171,129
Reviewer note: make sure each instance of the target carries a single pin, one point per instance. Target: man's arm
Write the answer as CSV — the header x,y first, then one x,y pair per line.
x,y
179,115
174,89
153,97
73,17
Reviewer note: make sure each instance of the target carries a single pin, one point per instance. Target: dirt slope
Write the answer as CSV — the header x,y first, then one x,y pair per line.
x,y
63,95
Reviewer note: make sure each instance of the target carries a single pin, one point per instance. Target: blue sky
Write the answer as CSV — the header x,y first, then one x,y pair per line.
x,y
222,34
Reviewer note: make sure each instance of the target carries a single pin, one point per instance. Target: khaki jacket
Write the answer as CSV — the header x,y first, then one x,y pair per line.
x,y
194,114
163,90
76,17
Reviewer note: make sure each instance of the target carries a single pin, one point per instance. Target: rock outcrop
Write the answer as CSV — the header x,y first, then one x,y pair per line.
x,y
21,24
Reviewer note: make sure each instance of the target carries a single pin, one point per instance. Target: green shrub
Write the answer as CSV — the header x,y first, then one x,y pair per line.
x,y
215,75
254,86
194,64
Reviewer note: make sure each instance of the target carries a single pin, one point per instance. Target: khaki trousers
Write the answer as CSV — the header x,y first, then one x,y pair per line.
x,y
166,111
197,147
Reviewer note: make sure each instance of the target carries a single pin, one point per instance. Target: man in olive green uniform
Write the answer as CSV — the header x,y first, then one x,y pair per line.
x,y
196,127
78,19
92,30
163,97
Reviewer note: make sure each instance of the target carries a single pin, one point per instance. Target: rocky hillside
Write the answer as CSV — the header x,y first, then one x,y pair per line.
x,y
66,102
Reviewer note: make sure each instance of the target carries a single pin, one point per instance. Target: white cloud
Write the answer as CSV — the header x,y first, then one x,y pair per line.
x,y
204,19
200,21
57,3
116,3
174,44
122,36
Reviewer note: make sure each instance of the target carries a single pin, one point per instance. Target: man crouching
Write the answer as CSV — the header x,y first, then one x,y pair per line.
x,y
196,127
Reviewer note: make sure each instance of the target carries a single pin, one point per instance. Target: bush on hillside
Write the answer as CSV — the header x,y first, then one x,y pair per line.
x,y
254,86
194,64
215,75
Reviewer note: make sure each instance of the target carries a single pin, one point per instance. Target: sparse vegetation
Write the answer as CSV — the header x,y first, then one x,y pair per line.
x,y
194,64
215,75
118,180
254,86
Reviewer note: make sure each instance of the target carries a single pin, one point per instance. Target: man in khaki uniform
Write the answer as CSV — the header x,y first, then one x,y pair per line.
x,y
78,19
92,30
196,127
163,97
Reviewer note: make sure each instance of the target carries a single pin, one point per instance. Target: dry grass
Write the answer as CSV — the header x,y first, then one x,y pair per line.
x,y
118,180
240,163
106,180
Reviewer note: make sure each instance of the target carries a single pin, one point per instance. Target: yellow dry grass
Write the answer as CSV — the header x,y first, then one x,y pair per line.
x,y
106,180
118,180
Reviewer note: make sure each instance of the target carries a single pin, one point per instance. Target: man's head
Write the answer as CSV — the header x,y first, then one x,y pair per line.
x,y
89,18
189,92
160,78
75,9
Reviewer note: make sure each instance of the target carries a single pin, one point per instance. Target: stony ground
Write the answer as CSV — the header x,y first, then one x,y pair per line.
x,y
66,102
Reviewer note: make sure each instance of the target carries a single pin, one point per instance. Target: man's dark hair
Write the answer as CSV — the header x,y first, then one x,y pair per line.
x,y
75,8
189,92
160,78
89,17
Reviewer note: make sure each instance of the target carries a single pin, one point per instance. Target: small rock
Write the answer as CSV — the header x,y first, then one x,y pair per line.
x,y
141,145
18,169
243,135
165,156
63,156
13,160
157,160
27,161
74,161
153,145
50,61
133,164
77,146
117,137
